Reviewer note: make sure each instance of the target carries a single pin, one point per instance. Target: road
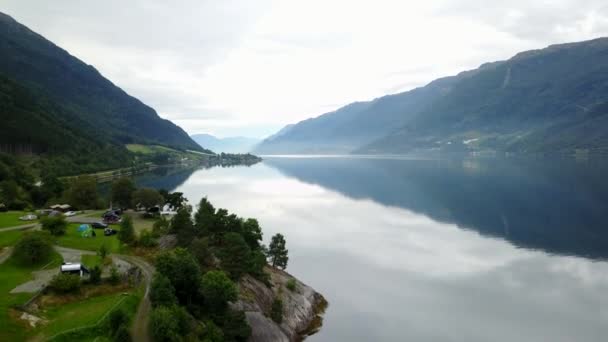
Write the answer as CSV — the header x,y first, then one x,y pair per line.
x,y
139,331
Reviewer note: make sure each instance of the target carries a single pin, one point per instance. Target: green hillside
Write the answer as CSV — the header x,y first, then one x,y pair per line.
x,y
75,96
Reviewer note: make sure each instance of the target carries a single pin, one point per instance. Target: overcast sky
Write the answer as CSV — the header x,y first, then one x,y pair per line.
x,y
245,67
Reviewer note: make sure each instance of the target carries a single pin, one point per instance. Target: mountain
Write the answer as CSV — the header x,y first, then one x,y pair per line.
x,y
227,145
548,100
71,96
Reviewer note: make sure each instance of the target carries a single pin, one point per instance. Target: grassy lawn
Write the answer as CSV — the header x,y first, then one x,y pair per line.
x,y
78,314
10,238
149,149
139,222
72,239
90,261
11,219
12,275
87,314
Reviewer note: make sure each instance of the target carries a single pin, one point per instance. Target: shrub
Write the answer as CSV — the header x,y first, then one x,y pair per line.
x,y
291,284
160,227
146,239
103,252
126,233
218,290
114,276
122,334
33,248
95,275
235,326
162,293
117,319
65,283
56,225
276,312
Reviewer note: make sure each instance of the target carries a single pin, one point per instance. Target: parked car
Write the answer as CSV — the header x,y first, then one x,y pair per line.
x,y
70,213
99,225
109,231
28,217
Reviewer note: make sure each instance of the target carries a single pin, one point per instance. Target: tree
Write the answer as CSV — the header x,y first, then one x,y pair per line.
x,y
204,219
147,198
181,224
33,248
218,290
83,193
162,293
277,251
56,225
126,233
175,199
95,275
235,255
169,324
102,252
122,192
235,326
200,249
182,270
252,233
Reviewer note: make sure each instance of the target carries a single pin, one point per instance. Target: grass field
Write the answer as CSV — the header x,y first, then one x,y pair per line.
x,y
90,261
78,314
149,149
73,239
11,219
10,238
12,275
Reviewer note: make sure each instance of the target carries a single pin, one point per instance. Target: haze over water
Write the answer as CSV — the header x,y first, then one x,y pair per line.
x,y
432,250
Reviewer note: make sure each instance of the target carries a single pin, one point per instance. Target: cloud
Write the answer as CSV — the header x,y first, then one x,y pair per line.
x,y
241,64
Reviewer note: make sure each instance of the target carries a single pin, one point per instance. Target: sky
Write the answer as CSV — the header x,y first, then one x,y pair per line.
x,y
247,68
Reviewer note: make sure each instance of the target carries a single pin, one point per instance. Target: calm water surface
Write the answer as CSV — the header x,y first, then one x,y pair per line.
x,y
432,250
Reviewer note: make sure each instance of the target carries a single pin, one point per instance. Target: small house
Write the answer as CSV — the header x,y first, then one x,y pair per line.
x,y
77,269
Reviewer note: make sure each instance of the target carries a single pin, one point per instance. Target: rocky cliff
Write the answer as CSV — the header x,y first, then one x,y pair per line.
x,y
302,307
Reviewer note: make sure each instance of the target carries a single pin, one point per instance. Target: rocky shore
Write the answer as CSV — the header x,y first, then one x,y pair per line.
x,y
303,307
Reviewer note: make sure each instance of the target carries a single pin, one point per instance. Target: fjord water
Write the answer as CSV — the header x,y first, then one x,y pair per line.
x,y
433,250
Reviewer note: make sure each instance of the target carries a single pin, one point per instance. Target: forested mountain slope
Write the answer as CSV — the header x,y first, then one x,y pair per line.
x,y
79,95
548,100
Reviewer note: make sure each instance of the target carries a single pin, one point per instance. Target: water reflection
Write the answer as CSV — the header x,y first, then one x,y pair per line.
x,y
384,241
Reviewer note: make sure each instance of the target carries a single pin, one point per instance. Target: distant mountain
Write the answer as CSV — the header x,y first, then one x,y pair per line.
x,y
227,145
549,100
69,96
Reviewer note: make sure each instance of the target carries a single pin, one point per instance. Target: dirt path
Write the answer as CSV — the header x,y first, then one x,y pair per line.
x,y
139,332
21,227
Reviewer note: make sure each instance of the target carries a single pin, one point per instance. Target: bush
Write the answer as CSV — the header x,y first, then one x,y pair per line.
x,y
162,293
235,326
117,319
146,239
33,248
276,312
56,225
114,276
169,323
65,283
218,290
291,285
95,275
160,227
103,252
126,233
122,334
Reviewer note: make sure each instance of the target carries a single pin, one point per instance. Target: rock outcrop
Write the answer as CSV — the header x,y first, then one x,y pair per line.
x,y
302,307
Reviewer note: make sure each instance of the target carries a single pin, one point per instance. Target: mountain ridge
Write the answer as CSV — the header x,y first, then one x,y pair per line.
x,y
537,101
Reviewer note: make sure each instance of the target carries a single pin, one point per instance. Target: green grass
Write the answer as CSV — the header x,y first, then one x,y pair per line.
x,y
149,149
11,219
10,238
72,239
78,314
91,260
64,327
14,274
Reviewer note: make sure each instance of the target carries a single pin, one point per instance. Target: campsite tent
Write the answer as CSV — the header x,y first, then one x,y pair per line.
x,y
85,230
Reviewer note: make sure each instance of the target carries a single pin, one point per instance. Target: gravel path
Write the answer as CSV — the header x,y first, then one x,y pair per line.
x,y
139,332
21,227
5,253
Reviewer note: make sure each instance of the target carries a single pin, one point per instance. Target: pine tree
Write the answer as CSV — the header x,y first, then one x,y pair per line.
x,y
277,251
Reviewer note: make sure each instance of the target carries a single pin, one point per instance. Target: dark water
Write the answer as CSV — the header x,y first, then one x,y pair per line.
x,y
433,250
